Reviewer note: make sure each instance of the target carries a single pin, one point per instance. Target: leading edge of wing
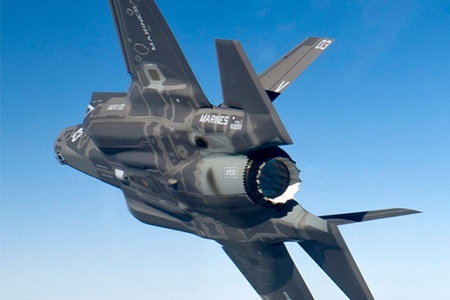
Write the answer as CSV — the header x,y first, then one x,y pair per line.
x,y
270,270
145,37
362,216
282,73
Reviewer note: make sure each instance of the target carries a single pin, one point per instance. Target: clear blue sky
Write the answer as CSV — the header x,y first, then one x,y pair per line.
x,y
370,120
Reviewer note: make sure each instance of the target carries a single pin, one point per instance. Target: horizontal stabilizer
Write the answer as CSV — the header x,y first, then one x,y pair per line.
x,y
282,73
362,216
270,270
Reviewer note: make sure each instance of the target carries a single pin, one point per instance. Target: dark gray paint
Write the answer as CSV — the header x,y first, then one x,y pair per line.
x,y
186,165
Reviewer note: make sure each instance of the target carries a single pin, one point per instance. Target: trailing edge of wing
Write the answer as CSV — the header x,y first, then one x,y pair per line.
x,y
362,216
145,37
277,77
335,259
270,270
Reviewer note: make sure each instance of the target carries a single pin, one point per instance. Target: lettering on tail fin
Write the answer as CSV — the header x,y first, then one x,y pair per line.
x,y
323,44
145,28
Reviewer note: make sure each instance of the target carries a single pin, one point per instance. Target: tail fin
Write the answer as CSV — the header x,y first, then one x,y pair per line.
x,y
146,38
282,73
363,216
242,89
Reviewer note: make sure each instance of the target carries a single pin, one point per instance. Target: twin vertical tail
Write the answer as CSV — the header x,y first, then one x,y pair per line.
x,y
243,89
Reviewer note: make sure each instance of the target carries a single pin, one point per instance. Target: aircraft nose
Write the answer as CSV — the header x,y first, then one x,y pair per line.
x,y
70,147
60,143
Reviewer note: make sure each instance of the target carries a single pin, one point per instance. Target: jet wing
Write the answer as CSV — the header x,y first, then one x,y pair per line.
x,y
362,216
146,38
282,73
270,270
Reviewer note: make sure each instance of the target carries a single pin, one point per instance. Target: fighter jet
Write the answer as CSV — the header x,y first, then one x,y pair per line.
x,y
214,171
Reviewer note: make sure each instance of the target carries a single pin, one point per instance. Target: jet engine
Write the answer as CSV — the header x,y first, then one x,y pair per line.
x,y
267,176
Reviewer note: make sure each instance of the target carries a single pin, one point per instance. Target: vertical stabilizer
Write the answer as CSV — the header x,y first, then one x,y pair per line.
x,y
282,73
242,89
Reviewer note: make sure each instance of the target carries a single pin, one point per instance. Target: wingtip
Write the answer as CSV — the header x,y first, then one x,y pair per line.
x,y
408,211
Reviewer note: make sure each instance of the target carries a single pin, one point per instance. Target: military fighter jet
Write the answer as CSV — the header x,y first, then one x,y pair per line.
x,y
216,172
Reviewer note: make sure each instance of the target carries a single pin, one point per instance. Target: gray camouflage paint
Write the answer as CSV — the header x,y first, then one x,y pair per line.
x,y
186,165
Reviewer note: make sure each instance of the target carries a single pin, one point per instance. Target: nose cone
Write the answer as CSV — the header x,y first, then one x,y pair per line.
x,y
74,147
61,142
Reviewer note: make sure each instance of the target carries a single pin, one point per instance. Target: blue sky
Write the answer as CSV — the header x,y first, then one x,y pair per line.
x,y
370,120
